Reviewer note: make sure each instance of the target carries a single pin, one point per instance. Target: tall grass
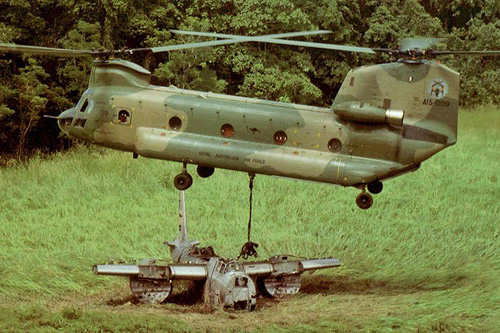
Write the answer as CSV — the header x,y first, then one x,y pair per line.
x,y
431,239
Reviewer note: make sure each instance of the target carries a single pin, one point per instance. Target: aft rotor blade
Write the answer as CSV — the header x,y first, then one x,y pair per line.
x,y
477,53
283,35
408,44
44,50
274,39
325,46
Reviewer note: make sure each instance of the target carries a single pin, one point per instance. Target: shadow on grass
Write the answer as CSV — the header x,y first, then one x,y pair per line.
x,y
188,296
344,284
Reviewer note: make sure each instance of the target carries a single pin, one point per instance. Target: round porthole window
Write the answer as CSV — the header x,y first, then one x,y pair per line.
x,y
123,116
175,123
334,145
280,137
227,130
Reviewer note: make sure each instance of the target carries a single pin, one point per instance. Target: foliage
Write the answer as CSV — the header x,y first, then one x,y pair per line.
x,y
424,258
297,75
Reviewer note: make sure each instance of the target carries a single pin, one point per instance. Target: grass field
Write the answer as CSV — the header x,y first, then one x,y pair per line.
x,y
425,257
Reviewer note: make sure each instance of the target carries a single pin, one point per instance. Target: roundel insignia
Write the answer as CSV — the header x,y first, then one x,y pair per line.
x,y
437,88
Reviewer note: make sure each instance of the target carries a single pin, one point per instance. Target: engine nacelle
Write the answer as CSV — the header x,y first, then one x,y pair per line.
x,y
367,113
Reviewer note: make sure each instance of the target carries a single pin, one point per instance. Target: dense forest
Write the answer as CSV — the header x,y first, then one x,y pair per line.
x,y
34,86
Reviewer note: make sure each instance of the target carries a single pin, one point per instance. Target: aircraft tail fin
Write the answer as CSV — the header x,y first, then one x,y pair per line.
x,y
181,243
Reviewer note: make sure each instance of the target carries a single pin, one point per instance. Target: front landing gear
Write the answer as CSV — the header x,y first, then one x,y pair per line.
x,y
204,171
183,181
364,200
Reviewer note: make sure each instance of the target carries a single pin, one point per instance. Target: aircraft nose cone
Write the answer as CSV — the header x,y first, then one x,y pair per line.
x,y
65,118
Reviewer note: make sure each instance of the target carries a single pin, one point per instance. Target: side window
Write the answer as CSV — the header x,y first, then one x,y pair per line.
x,y
123,117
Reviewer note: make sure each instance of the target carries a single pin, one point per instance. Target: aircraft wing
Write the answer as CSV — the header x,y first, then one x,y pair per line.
x,y
280,265
275,266
193,272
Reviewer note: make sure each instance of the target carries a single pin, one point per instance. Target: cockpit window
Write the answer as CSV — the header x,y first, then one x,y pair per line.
x,y
85,105
233,266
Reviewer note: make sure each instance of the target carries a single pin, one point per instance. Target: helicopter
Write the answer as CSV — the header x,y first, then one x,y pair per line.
x,y
384,122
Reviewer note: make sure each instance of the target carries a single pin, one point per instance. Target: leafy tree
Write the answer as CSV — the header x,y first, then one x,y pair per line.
x,y
480,76
31,86
31,100
6,35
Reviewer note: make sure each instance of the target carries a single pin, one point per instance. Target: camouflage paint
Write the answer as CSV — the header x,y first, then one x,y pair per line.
x,y
427,94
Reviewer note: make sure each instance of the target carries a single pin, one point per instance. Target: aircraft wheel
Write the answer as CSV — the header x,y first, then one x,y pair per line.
x,y
204,171
183,181
150,291
375,187
364,200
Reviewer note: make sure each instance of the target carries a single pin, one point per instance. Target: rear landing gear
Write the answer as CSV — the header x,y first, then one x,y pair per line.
x,y
375,187
183,181
364,200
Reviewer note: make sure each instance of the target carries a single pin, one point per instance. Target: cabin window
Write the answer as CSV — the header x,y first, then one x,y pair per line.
x,y
280,137
227,130
334,145
175,123
124,117
352,82
240,281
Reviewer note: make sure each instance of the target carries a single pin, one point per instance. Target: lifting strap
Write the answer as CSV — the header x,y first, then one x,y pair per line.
x,y
249,248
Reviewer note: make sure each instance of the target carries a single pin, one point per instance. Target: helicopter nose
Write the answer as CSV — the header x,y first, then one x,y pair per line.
x,y
64,120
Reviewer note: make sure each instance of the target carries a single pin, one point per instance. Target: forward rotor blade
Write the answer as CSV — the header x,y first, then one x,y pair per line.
x,y
44,50
81,53
191,45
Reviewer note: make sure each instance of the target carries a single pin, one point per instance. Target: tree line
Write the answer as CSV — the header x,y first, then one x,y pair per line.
x,y
33,86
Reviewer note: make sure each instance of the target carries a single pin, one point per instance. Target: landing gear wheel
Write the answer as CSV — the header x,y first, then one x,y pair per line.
x,y
364,200
375,187
183,181
204,171
150,291
280,285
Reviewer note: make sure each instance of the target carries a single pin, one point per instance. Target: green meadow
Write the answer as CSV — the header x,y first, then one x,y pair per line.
x,y
425,257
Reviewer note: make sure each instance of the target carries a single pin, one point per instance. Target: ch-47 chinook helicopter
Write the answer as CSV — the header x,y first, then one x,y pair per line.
x,y
385,121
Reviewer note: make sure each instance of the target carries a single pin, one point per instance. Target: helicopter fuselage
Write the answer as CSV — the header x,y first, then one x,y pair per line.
x,y
357,141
